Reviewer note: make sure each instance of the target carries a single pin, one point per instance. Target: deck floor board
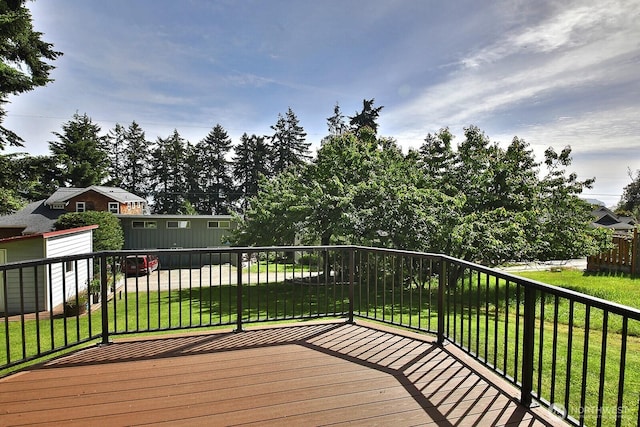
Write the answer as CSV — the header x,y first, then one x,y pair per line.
x,y
302,374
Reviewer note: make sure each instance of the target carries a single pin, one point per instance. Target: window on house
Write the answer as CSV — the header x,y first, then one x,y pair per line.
x,y
68,266
178,224
218,224
114,207
144,224
80,207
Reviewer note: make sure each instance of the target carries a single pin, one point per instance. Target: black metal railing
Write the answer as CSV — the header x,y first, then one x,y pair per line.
x,y
575,354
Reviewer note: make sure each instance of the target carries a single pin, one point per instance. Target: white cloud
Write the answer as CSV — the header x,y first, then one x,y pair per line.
x,y
577,25
589,56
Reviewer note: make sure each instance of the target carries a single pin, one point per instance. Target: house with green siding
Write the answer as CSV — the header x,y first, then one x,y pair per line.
x,y
177,232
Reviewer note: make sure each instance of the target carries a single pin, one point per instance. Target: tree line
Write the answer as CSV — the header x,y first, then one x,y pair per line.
x,y
212,176
477,200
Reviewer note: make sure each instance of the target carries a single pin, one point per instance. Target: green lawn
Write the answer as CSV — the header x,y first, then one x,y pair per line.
x,y
617,288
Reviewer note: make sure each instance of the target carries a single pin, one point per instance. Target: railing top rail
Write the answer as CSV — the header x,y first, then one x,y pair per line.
x,y
609,306
46,261
224,249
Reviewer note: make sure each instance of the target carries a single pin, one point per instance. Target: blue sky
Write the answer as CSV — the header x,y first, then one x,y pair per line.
x,y
555,73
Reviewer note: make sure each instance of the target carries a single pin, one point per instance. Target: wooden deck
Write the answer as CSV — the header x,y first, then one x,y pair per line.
x,y
302,374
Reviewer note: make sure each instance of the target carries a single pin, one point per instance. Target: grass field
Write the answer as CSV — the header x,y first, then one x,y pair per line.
x,y
617,288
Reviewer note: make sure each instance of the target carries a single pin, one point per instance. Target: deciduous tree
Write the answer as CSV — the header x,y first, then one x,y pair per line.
x,y
107,237
630,200
481,203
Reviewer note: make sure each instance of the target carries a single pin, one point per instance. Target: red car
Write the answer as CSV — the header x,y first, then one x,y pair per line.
x,y
140,264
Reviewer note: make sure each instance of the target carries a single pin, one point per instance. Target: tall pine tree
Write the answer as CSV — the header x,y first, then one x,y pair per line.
x,y
136,163
250,162
214,172
336,123
168,175
80,152
436,159
289,148
193,190
115,144
22,55
366,118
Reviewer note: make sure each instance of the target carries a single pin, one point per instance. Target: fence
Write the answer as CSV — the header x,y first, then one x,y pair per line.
x,y
621,258
572,353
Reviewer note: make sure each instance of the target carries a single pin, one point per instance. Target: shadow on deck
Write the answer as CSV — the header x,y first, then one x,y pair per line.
x,y
302,374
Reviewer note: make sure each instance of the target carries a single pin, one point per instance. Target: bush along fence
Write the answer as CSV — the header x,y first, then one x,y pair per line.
x,y
574,354
621,258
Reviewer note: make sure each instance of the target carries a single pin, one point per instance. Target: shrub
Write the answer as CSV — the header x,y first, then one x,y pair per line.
x,y
107,237
76,305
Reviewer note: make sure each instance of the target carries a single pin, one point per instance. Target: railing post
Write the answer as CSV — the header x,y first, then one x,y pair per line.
x,y
634,253
239,294
442,285
104,307
352,263
528,344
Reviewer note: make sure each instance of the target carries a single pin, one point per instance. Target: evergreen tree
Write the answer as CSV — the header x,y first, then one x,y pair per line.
x,y
473,169
193,192
80,152
26,179
214,172
250,162
22,55
10,199
366,118
289,148
115,144
37,177
168,175
136,161
436,159
336,123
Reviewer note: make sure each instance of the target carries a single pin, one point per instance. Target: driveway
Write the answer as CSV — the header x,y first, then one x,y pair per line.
x,y
208,275
578,264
